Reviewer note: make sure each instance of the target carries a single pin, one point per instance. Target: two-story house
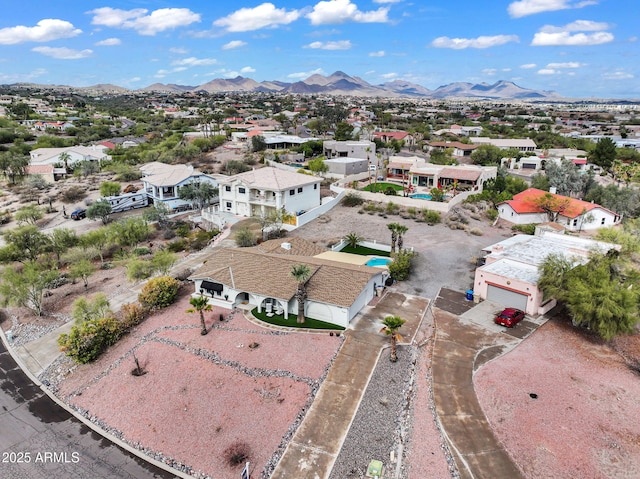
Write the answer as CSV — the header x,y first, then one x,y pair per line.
x,y
259,191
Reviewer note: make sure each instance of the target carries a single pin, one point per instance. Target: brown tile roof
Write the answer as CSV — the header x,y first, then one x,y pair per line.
x,y
460,174
272,179
299,247
247,269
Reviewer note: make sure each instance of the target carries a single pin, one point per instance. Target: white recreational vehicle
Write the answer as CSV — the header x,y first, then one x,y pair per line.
x,y
127,201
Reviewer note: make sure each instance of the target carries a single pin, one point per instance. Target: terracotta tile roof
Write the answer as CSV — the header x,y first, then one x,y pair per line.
x,y
396,135
39,169
525,202
247,269
460,174
453,144
298,247
161,174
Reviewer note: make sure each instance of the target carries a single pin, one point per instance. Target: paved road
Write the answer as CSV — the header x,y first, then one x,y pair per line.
x,y
39,439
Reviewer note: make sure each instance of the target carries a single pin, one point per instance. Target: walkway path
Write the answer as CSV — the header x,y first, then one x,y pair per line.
x,y
317,442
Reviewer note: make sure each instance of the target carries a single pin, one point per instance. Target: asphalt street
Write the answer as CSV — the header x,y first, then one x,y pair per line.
x,y
39,439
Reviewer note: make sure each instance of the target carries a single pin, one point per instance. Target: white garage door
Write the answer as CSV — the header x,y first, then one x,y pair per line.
x,y
507,298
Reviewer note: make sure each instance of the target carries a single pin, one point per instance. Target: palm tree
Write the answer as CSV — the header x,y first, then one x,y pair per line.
x,y
200,304
64,157
390,328
400,231
393,227
352,239
301,273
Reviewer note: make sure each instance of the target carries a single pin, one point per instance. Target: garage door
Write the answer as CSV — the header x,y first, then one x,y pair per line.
x,y
528,166
507,298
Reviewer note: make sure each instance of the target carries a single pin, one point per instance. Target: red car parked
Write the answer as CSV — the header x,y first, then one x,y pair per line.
x,y
509,317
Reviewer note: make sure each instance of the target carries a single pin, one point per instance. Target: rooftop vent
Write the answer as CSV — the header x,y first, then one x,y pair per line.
x,y
286,246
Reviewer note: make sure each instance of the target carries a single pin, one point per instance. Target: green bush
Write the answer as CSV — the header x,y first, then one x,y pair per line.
x,y
352,199
178,245
85,309
390,191
141,251
183,230
86,341
138,269
159,292
200,239
245,238
492,214
431,217
526,229
400,267
132,315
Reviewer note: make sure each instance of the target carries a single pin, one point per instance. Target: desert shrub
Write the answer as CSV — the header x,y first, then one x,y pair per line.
x,y
352,199
183,230
400,267
86,341
177,245
390,191
411,211
85,309
138,269
476,231
159,292
73,194
475,216
141,251
163,260
492,214
237,453
168,234
526,229
431,217
132,314
200,239
392,208
245,238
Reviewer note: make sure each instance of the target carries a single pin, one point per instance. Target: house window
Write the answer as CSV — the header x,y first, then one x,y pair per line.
x,y
292,192
315,186
229,204
227,188
602,221
575,222
242,190
299,190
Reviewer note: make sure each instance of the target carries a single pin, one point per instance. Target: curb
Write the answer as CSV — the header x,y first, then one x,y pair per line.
x,y
85,421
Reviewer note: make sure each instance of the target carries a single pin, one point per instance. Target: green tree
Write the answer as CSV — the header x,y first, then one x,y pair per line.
x,y
258,143
24,242
13,165
82,269
436,194
604,153
540,182
64,157
61,239
565,177
101,209
353,239
129,231
98,239
25,286
28,214
344,131
200,305
401,230
317,165
158,212
393,228
552,205
390,327
163,260
198,194
301,274
109,188
487,154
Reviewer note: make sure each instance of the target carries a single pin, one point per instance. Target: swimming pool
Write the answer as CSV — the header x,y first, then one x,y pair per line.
x,y
421,196
378,261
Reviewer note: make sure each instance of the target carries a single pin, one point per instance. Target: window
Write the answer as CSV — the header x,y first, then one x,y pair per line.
x,y
300,190
602,221
229,204
292,192
315,186
227,188
242,190
575,222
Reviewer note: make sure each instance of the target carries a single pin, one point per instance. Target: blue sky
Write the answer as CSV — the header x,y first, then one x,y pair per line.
x,y
579,48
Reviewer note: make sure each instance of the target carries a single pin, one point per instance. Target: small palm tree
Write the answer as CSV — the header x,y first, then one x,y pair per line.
x,y
393,227
200,304
400,231
352,239
390,328
301,273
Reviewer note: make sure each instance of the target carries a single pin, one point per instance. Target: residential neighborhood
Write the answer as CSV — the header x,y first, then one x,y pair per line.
x,y
329,270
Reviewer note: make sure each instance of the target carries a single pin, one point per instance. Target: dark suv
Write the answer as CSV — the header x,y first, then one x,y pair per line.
x,y
78,214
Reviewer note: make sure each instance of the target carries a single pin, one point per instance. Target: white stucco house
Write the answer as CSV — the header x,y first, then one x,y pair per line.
x,y
259,191
522,144
162,182
260,277
576,215
510,273
75,154
364,150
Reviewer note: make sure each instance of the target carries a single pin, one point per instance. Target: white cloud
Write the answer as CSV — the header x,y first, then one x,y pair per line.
x,y
528,66
45,30
179,50
480,42
522,8
108,42
489,71
19,77
379,53
337,45
247,70
63,53
566,65
577,26
617,75
547,71
567,39
195,62
233,44
341,11
389,76
138,20
265,15
303,75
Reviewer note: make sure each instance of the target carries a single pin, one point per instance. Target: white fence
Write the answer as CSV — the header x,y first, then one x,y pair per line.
x,y
367,244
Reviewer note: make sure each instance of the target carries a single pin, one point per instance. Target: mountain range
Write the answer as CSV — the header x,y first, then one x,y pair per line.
x,y
339,83
336,84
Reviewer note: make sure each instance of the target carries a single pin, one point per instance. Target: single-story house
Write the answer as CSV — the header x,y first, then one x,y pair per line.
x,y
261,278
351,149
257,192
468,177
162,182
48,172
74,154
522,144
459,149
387,136
347,166
574,214
510,273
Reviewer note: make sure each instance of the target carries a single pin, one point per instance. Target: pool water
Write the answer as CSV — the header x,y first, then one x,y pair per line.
x,y
377,261
421,196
